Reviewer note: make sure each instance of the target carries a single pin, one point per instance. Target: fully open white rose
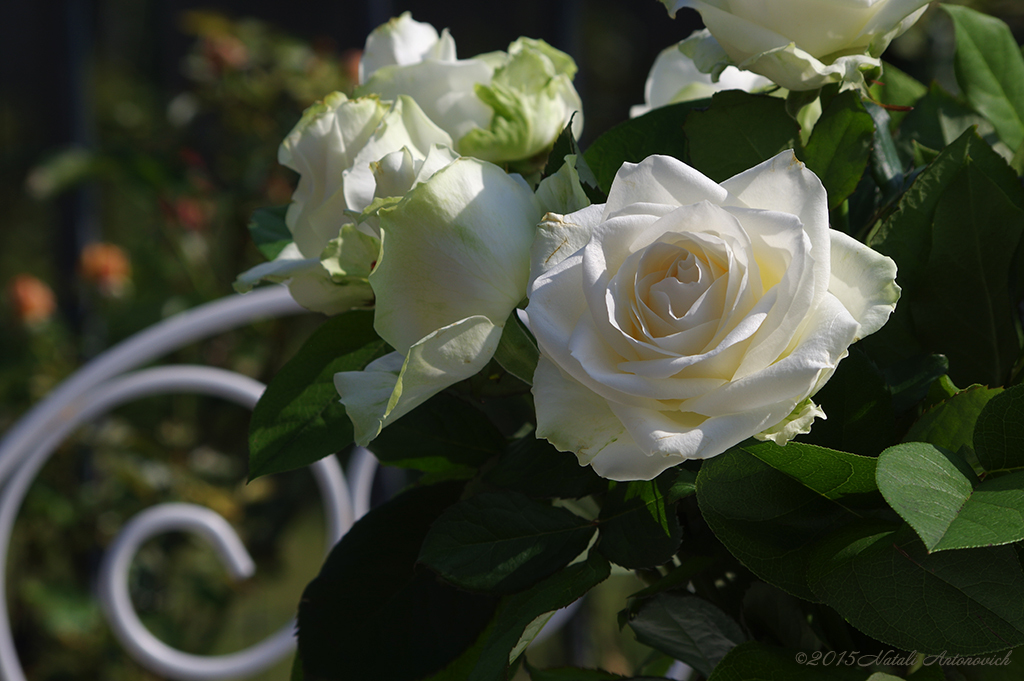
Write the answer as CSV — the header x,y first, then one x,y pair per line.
x,y
684,316
341,148
498,106
800,44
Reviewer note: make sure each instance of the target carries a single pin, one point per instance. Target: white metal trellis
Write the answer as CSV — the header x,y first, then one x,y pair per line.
x,y
105,383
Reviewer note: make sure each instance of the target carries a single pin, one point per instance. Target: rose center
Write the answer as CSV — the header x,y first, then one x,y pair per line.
x,y
672,286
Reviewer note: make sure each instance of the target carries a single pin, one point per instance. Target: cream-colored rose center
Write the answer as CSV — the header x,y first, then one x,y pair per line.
x,y
674,291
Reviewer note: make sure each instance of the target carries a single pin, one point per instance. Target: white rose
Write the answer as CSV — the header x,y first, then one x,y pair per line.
x,y
337,148
675,78
499,106
683,316
454,263
800,44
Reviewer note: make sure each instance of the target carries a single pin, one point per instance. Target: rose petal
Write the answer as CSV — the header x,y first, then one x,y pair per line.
x,y
456,246
864,281
394,385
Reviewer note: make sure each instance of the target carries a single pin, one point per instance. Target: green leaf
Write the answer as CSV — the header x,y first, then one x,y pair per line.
x,y
859,408
299,419
931,492
963,305
517,351
990,71
910,379
950,424
687,628
827,472
999,431
296,673
657,132
638,522
769,516
937,120
444,434
503,542
953,236
535,468
518,619
886,584
371,599
269,231
897,89
566,145
738,131
770,614
886,167
753,661
840,146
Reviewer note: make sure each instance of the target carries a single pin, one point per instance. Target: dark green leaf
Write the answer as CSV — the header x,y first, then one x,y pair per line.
x,y
371,600
518,619
944,262
442,435
897,89
296,674
999,431
827,472
963,308
687,628
517,350
990,70
886,584
773,615
859,409
886,166
657,132
299,419
738,131
566,145
538,470
638,522
754,661
910,379
937,121
840,146
950,424
503,542
932,493
770,516
269,231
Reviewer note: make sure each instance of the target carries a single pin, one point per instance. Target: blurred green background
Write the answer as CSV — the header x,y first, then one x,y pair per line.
x,y
136,137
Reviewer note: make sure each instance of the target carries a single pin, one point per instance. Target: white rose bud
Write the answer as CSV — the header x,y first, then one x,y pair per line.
x,y
684,316
336,148
454,263
499,106
799,44
675,78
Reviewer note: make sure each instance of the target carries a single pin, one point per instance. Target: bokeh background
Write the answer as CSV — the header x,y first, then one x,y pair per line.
x,y
136,138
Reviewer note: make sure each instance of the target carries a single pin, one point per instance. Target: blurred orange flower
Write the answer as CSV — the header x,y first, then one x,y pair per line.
x,y
107,267
33,301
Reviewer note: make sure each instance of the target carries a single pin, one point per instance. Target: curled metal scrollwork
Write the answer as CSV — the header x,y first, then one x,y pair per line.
x,y
106,383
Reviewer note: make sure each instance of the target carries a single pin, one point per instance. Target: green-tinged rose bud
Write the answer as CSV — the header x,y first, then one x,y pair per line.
x,y
337,148
454,263
799,44
500,107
